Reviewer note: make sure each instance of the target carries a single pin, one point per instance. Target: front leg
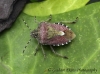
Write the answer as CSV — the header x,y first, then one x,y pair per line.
x,y
70,22
65,57
49,19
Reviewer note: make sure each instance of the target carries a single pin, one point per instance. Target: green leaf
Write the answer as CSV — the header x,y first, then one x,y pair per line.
x,y
53,7
83,52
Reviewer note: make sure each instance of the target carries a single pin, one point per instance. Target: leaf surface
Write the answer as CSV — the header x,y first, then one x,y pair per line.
x,y
53,7
83,52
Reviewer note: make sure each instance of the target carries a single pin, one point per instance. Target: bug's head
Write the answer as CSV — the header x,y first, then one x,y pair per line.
x,y
34,33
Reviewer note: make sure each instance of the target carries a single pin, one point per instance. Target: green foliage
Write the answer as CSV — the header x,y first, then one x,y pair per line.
x,y
83,52
48,7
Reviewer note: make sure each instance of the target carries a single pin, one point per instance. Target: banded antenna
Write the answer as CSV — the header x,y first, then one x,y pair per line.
x,y
30,38
36,49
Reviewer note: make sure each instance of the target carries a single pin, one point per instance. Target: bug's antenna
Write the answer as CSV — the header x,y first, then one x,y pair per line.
x,y
26,45
29,39
26,24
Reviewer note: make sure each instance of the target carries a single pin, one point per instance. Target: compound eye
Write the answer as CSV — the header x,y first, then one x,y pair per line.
x,y
35,35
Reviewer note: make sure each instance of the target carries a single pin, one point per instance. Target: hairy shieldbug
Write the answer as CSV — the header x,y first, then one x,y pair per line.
x,y
52,34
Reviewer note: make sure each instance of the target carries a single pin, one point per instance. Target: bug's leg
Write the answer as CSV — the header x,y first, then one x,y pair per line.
x,y
49,19
57,53
36,49
43,52
35,20
26,45
70,22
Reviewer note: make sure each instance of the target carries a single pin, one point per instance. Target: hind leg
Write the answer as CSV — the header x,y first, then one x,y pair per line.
x,y
57,53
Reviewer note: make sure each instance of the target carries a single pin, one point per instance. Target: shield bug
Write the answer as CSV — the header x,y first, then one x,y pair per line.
x,y
52,34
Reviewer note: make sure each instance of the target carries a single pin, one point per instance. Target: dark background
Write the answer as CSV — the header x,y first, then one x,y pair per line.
x,y
92,1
